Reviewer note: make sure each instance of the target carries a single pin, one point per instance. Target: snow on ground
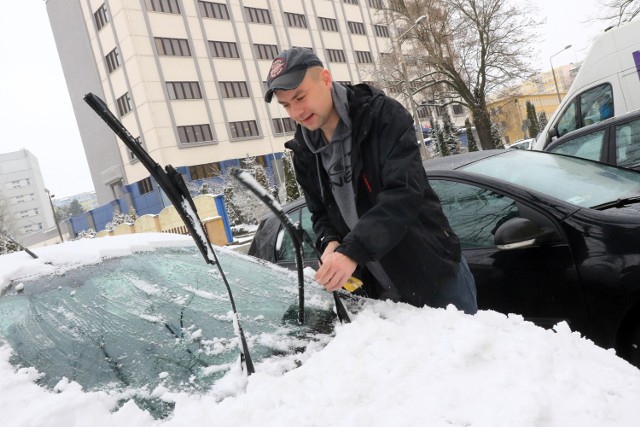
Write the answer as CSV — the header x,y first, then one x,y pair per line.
x,y
394,365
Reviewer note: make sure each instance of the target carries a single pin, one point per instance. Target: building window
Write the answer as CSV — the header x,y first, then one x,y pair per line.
x,y
195,133
376,4
224,49
259,16
356,27
184,90
351,1
266,51
284,125
328,24
234,89
244,129
457,109
172,47
113,60
423,112
168,6
214,10
145,186
19,183
336,55
23,198
343,82
208,170
132,157
124,104
295,20
100,17
381,30
363,57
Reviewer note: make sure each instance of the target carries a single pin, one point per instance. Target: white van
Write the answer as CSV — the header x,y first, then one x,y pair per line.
x,y
607,85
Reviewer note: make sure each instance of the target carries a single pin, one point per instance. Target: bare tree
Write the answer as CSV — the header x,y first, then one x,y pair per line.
x,y
471,49
617,12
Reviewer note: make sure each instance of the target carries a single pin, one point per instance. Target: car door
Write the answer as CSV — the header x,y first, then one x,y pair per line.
x,y
284,248
540,282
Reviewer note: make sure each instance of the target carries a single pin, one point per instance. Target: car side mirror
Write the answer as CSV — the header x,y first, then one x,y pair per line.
x,y
518,233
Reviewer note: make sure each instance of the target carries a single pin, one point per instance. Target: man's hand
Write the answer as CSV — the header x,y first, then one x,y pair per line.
x,y
335,269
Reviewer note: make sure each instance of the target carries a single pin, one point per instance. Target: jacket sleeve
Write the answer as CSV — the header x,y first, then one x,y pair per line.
x,y
402,182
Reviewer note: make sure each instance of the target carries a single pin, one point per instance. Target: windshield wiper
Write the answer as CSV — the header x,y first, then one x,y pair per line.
x,y
617,203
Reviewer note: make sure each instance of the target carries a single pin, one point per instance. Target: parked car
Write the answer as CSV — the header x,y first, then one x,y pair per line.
x,y
615,141
128,313
550,237
523,144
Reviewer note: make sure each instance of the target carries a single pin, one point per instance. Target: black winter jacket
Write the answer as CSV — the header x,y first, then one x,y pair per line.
x,y
401,222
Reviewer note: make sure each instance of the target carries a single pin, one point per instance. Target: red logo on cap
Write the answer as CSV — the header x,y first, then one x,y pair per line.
x,y
277,68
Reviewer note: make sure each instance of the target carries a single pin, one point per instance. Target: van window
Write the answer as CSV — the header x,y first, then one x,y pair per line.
x,y
628,144
567,121
595,105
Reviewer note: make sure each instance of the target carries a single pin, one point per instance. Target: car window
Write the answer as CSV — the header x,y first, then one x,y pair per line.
x,y
284,246
473,212
628,144
586,146
596,104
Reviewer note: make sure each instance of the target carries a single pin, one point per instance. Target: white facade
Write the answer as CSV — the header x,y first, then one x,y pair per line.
x,y
23,198
187,76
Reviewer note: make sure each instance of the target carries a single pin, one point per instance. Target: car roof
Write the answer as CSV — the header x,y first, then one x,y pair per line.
x,y
459,160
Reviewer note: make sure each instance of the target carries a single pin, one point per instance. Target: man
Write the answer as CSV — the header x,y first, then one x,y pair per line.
x,y
357,160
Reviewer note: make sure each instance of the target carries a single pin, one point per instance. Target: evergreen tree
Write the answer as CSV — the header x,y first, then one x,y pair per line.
x,y
291,185
495,137
471,140
75,208
534,126
449,131
234,213
7,245
542,120
444,149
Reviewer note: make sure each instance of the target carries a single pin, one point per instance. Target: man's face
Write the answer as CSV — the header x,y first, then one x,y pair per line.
x,y
310,104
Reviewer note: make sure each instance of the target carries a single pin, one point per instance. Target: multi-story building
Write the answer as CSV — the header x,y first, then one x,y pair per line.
x,y
187,77
24,201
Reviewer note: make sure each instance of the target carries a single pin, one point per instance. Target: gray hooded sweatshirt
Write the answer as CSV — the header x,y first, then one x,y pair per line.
x,y
336,160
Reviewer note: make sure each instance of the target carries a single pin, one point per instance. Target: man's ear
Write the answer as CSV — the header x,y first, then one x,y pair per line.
x,y
325,75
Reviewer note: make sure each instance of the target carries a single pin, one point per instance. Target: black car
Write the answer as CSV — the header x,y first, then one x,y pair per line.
x,y
615,141
550,237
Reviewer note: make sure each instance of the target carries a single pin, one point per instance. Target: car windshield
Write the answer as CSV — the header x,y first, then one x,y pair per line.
x,y
576,181
160,317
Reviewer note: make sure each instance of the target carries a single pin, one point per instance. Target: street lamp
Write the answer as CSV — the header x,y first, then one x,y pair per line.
x,y
53,210
554,73
403,65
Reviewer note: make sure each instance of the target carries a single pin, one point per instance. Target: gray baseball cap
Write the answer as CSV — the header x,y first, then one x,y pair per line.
x,y
289,68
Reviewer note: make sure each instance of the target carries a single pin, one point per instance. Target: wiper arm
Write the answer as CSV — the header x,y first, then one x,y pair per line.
x,y
617,203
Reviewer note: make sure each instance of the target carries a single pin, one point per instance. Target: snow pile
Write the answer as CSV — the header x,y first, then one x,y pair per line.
x,y
394,365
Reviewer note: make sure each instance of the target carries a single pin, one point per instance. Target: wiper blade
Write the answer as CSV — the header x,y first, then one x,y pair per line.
x,y
617,203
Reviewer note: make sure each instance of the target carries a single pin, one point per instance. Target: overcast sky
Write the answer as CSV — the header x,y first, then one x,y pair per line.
x,y
36,113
